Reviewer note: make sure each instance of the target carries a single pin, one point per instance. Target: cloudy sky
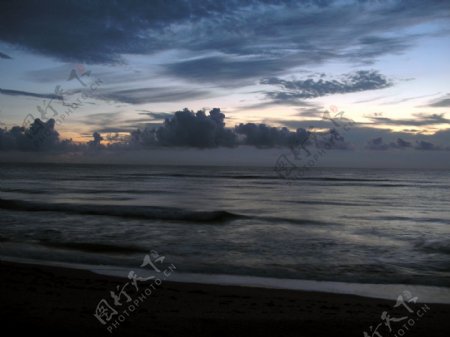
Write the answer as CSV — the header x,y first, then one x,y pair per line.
x,y
113,67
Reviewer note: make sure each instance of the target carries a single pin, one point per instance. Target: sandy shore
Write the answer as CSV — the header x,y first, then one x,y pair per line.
x,y
58,301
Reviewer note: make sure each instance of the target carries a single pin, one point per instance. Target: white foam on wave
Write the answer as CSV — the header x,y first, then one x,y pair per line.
x,y
425,294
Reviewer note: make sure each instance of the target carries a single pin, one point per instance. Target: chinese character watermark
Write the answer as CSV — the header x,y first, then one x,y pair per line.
x,y
323,142
48,110
398,326
127,297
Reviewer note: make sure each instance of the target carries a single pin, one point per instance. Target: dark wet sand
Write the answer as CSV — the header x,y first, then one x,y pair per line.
x,y
56,301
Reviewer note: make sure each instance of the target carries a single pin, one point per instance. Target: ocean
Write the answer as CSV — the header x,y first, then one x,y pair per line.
x,y
374,226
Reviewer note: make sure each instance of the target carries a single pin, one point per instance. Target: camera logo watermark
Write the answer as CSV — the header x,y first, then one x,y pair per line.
x,y
112,315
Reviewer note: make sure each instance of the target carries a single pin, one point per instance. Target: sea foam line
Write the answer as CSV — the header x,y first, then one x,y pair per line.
x,y
425,294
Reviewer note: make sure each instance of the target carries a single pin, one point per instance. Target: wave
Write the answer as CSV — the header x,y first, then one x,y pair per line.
x,y
23,190
271,177
295,221
149,212
320,202
83,191
93,247
413,219
401,218
138,212
268,176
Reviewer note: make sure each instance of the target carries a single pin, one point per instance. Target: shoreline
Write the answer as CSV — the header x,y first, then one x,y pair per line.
x,y
425,293
58,300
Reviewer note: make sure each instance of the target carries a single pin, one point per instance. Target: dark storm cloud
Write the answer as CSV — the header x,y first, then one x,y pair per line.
x,y
259,38
152,95
40,136
310,88
293,34
29,94
96,142
262,135
187,128
420,120
95,31
4,56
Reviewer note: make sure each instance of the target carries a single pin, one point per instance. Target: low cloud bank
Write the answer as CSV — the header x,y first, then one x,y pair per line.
x,y
201,129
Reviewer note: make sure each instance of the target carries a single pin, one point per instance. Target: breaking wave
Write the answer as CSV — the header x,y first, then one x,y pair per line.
x,y
138,212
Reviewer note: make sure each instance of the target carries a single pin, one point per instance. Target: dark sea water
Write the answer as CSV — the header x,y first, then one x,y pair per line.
x,y
349,225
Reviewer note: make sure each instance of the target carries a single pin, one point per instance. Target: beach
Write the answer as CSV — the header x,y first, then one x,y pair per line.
x,y
61,301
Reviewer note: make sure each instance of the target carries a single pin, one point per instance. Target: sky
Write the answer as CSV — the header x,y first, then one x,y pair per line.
x,y
164,75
